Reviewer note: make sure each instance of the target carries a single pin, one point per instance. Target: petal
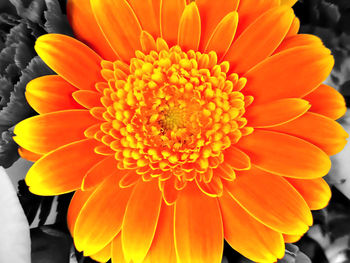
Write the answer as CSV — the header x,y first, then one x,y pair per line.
x,y
66,55
316,192
170,193
44,133
189,28
119,25
137,235
271,200
321,131
211,13
327,101
62,170
170,15
163,247
103,255
291,238
87,98
265,35
285,155
50,93
76,204
289,74
294,28
288,2
237,159
198,227
99,172
117,251
147,12
101,217
276,112
298,41
250,10
222,36
263,244
86,29
147,42
28,155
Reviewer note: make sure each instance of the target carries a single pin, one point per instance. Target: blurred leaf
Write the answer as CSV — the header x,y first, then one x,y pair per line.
x,y
50,245
45,208
14,228
8,149
294,255
312,249
29,201
56,22
31,10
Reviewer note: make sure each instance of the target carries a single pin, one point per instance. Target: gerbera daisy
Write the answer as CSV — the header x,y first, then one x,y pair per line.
x,y
181,124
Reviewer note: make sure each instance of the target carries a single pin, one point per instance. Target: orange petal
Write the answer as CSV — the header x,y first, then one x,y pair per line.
x,y
276,112
28,155
321,131
222,36
285,155
291,238
117,251
263,244
137,235
101,217
50,93
288,2
189,28
226,172
62,170
298,41
170,193
88,98
316,192
76,204
99,172
294,28
170,15
250,10
287,74
265,34
198,227
327,101
237,159
103,255
271,200
211,13
119,25
163,247
147,12
71,59
147,42
44,133
86,29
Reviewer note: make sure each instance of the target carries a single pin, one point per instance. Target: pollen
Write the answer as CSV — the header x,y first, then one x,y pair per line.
x,y
171,112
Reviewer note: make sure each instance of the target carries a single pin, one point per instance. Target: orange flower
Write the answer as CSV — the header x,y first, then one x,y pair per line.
x,y
182,124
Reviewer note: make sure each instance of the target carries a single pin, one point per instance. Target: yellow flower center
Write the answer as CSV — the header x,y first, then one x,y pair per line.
x,y
172,113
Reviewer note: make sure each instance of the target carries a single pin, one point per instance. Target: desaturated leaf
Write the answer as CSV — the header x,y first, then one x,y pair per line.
x,y
56,22
14,228
340,172
50,245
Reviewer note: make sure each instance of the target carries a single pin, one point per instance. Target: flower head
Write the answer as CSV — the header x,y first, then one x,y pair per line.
x,y
181,124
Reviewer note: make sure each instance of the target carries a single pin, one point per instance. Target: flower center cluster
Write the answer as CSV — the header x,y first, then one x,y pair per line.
x,y
172,113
